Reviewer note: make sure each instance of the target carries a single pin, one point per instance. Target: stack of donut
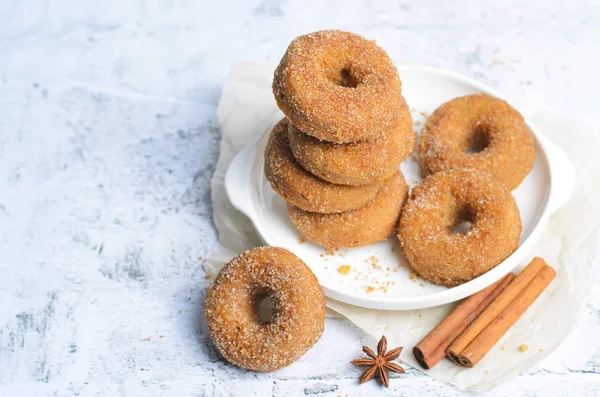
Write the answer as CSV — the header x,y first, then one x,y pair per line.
x,y
334,158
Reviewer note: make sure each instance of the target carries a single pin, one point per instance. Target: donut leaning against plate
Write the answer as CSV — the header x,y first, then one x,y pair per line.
x,y
478,131
303,189
433,245
232,306
337,86
356,163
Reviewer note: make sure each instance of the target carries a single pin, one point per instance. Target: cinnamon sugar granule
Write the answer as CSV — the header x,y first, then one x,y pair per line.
x,y
301,240
413,275
379,286
200,258
208,275
523,348
344,269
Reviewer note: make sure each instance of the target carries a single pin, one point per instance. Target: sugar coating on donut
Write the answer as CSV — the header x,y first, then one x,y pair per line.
x,y
231,309
337,86
478,131
428,230
375,222
303,189
356,163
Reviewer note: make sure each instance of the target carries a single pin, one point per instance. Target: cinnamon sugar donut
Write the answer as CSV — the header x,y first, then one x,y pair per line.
x,y
337,86
478,131
356,163
428,233
301,188
374,222
232,305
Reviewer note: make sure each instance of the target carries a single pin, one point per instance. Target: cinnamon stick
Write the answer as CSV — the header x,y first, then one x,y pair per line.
x,y
494,331
495,308
426,347
440,352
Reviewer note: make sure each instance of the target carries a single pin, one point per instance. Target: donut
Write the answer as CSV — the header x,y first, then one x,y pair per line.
x,y
357,163
375,222
337,86
232,305
303,189
478,131
429,229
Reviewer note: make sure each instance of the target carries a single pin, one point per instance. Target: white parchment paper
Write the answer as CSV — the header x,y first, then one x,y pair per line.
x,y
569,242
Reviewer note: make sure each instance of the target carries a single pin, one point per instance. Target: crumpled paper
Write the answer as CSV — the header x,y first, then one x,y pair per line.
x,y
569,242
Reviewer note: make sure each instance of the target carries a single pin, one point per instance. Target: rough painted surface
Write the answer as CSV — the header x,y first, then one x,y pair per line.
x,y
107,145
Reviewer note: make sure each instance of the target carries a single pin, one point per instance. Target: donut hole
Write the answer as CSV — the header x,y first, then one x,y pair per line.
x,y
265,307
463,221
461,226
347,79
341,75
479,140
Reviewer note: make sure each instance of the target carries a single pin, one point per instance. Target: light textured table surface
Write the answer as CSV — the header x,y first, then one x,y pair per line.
x,y
108,141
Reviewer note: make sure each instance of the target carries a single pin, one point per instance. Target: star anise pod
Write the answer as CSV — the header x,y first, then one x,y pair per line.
x,y
379,364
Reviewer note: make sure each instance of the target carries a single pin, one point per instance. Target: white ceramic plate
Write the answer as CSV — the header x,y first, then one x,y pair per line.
x,y
380,277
